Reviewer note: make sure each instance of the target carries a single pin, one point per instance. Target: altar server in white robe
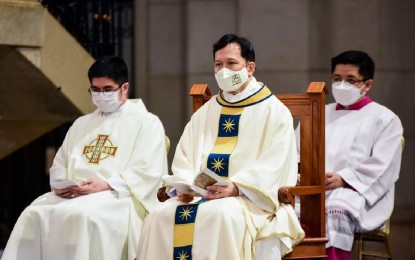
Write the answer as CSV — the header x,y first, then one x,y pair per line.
x,y
245,135
363,154
118,155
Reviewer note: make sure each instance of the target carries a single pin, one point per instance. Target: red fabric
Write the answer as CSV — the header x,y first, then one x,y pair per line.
x,y
356,106
334,253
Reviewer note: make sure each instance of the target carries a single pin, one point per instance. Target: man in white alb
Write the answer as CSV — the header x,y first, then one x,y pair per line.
x,y
117,156
363,154
245,135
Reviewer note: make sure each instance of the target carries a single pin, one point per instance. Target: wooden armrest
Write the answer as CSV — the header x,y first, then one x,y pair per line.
x,y
286,194
309,248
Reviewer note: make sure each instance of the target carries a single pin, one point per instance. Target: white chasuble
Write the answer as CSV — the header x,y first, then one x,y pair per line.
x,y
128,146
251,143
364,147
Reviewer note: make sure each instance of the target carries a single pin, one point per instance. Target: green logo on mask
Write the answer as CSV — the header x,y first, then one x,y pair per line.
x,y
236,79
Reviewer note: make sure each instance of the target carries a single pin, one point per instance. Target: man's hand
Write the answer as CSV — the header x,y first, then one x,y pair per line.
x,y
217,192
86,187
162,196
66,193
184,197
90,186
334,181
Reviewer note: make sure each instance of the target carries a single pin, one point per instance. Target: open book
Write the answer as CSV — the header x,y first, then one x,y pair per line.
x,y
62,184
203,179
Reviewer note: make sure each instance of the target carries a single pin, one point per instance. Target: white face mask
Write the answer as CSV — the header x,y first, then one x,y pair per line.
x,y
345,93
107,103
229,80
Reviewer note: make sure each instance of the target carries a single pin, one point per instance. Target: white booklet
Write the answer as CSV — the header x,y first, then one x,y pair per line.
x,y
62,184
203,179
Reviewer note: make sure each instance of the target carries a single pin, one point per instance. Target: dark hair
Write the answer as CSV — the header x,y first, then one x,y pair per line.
x,y
357,58
111,67
247,50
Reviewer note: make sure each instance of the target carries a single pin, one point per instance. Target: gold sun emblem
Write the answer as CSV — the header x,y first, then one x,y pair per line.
x,y
183,255
217,164
186,213
228,125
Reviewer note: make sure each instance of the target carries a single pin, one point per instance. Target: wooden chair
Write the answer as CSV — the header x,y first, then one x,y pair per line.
x,y
309,108
380,237
376,236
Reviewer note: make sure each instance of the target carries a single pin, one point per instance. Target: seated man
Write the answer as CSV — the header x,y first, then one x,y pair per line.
x,y
245,135
117,155
363,154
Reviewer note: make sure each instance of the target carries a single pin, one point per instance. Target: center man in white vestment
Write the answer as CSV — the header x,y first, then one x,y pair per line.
x,y
245,135
363,155
117,155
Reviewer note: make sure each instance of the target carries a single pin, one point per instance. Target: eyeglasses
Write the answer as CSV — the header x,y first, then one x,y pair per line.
x,y
105,91
350,80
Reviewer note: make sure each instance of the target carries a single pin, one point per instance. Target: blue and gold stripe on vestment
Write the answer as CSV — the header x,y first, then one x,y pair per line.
x,y
184,225
262,94
228,129
218,161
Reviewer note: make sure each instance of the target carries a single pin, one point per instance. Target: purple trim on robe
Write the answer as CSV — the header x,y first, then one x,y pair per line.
x,y
334,253
356,106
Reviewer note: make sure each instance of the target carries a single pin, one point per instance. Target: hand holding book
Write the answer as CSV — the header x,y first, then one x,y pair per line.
x,y
199,187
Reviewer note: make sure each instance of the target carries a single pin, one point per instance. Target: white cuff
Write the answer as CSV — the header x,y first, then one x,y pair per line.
x,y
119,185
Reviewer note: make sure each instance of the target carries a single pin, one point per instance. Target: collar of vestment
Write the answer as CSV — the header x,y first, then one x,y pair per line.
x,y
262,94
356,106
253,86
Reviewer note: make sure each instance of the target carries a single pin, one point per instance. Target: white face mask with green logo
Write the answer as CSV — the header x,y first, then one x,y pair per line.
x,y
229,80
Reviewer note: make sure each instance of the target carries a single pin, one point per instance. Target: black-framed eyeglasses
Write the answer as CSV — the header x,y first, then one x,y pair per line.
x,y
350,80
105,91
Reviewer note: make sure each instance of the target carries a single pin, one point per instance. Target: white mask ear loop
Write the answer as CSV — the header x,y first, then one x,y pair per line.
x,y
364,86
122,93
247,67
